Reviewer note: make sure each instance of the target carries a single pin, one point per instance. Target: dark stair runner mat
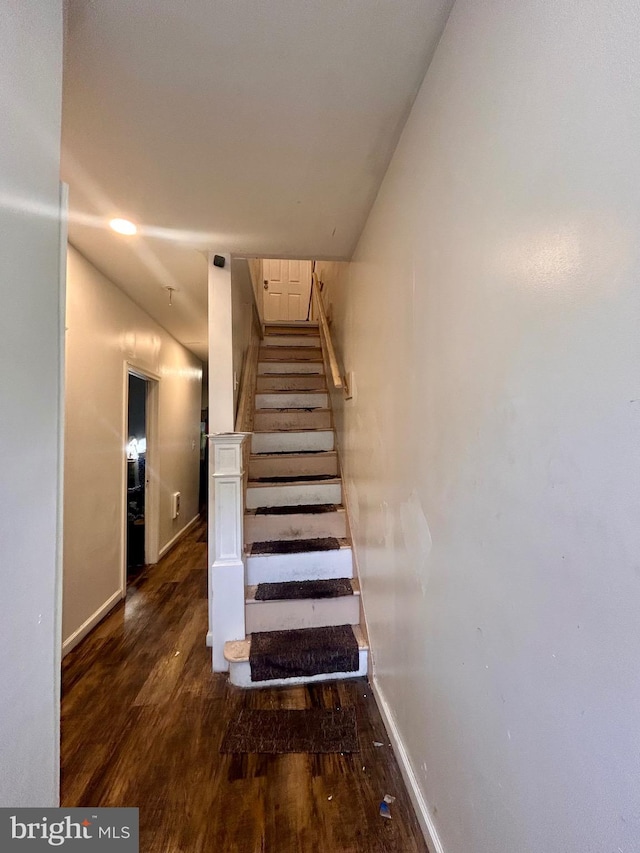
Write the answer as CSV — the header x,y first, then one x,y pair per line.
x,y
303,478
304,509
303,652
289,590
291,452
295,546
284,730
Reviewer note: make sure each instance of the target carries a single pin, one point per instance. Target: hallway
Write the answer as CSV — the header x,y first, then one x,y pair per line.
x,y
142,721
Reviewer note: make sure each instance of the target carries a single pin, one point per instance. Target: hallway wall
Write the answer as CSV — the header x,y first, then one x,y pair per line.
x,y
491,317
30,390
105,329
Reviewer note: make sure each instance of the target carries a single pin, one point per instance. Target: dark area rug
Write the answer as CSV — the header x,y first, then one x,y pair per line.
x,y
279,731
305,652
304,589
306,509
295,546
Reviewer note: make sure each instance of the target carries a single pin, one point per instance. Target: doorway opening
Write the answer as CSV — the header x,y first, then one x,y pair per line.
x,y
141,517
136,474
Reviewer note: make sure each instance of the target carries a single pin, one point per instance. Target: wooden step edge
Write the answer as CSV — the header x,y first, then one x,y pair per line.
x,y
273,393
237,651
323,390
289,360
311,409
250,595
340,508
293,429
294,454
295,375
292,324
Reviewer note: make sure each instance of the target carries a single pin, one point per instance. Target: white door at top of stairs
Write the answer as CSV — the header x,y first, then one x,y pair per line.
x,y
286,290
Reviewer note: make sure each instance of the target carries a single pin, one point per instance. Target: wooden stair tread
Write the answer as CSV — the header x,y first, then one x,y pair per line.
x,y
292,454
292,479
295,509
293,429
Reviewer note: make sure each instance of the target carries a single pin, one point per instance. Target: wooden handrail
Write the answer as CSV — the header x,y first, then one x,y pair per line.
x,y
244,414
337,378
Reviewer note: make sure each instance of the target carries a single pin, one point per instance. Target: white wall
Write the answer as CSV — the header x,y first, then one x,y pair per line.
x,y
492,317
105,329
31,71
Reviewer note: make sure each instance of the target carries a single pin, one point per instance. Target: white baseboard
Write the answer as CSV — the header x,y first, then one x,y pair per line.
x,y
419,803
172,542
73,640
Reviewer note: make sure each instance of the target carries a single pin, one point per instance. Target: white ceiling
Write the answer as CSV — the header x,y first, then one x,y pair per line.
x,y
257,127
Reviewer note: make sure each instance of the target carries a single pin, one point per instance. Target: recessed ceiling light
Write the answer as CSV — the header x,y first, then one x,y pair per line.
x,y
123,226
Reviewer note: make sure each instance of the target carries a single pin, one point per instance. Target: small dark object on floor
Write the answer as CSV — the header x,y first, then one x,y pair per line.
x,y
295,546
289,590
315,730
305,509
305,652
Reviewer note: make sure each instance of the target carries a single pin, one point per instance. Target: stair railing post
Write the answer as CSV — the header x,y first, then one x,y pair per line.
x,y
226,544
226,497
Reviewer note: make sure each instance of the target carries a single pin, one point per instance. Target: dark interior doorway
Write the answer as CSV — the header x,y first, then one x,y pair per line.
x,y
136,474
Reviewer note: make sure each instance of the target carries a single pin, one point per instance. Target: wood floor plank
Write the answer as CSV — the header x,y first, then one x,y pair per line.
x,y
143,717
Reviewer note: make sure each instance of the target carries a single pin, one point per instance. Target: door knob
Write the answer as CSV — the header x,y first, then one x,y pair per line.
x,y
266,284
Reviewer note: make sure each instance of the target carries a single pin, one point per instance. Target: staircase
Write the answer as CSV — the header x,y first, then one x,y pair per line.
x,y
302,603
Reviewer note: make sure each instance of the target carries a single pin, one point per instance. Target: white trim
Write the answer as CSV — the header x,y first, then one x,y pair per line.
x,y
420,805
174,541
91,622
152,475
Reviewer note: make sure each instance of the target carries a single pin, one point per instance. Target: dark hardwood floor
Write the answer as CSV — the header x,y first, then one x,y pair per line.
x,y
142,721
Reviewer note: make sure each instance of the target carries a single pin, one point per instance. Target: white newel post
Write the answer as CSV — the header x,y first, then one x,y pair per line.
x,y
226,499
226,544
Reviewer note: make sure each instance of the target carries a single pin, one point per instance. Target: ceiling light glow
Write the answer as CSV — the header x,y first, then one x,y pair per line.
x,y
123,226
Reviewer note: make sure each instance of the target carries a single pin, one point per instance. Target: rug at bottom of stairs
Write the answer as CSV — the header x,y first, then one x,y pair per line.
x,y
313,730
302,653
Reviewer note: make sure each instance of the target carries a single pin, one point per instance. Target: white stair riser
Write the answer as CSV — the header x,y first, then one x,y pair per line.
x,y
240,675
291,442
300,382
304,613
294,495
294,466
292,340
266,368
297,400
274,419
271,528
308,566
